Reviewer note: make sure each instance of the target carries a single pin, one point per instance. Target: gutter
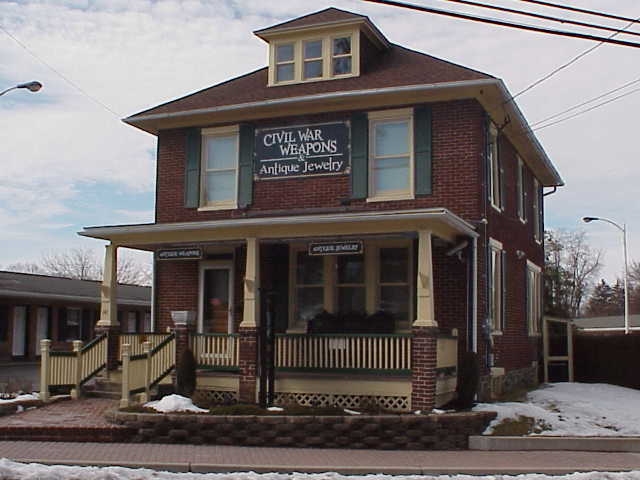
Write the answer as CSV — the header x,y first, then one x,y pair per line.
x,y
73,298
426,214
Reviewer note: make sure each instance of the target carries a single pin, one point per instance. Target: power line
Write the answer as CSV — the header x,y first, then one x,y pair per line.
x,y
74,85
588,109
622,87
503,23
541,16
581,10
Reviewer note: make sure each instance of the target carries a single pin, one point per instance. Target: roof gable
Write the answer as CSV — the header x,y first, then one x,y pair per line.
x,y
328,15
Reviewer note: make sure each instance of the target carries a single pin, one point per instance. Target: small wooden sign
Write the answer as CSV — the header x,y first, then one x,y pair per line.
x,y
354,247
180,254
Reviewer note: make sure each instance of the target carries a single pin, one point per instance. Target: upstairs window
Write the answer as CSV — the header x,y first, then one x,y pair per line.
x,y
219,168
285,62
537,211
493,167
521,192
312,60
341,56
391,155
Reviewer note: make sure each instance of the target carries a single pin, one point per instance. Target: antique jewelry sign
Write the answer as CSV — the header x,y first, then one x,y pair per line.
x,y
321,149
180,254
354,247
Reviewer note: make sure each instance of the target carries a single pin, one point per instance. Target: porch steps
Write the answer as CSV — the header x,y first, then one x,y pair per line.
x,y
103,387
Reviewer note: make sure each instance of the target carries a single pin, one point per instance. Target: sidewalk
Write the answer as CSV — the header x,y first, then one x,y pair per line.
x,y
191,458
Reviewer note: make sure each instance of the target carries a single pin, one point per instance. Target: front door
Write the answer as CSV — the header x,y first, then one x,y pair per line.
x,y
19,331
216,298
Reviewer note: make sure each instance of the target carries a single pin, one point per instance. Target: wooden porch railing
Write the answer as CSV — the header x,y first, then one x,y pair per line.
x,y
384,352
136,341
71,368
143,371
216,351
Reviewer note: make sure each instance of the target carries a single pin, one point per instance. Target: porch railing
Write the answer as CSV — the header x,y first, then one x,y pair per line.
x,y
143,371
136,341
216,351
384,352
71,368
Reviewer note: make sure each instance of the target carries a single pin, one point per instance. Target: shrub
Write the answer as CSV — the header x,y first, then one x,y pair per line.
x,y
468,380
186,374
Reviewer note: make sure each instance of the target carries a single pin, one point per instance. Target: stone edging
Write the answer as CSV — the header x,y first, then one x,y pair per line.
x,y
390,432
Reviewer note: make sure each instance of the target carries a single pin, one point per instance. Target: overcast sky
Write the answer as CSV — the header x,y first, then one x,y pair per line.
x,y
69,162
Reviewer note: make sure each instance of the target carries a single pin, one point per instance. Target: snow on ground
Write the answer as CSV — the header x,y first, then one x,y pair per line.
x,y
20,398
575,409
33,471
174,403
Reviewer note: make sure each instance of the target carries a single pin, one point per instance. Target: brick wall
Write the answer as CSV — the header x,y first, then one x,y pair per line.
x,y
177,289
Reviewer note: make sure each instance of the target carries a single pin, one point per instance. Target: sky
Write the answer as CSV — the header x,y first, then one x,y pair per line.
x,y
67,161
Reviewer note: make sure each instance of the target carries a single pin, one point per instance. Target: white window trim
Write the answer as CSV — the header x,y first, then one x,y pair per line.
x,y
327,56
521,192
538,230
218,132
215,265
496,324
321,58
493,165
383,116
534,329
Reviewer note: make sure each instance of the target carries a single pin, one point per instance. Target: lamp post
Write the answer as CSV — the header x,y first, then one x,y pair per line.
x,y
623,229
31,86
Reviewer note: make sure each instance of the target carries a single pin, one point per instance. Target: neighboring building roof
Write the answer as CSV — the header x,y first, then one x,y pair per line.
x,y
28,285
606,323
399,66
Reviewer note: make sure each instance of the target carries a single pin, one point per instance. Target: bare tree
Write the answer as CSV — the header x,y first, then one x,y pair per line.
x,y
84,264
570,267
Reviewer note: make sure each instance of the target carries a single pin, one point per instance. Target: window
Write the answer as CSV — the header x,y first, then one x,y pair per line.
x,y
219,168
521,192
493,166
534,298
71,330
314,58
537,211
394,284
132,322
146,323
341,56
285,62
350,284
391,155
309,286
496,285
4,323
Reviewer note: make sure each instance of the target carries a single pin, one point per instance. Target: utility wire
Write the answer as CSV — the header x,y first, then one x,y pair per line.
x,y
73,84
622,87
580,10
587,110
541,16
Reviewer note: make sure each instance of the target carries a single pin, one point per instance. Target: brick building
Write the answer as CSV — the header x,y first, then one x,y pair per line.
x,y
376,208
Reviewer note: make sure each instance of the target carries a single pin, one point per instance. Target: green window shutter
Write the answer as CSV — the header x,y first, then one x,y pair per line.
x,y
359,155
422,149
192,169
245,165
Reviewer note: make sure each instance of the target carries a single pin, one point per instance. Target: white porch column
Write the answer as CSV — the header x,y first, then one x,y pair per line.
x,y
250,318
425,316
108,291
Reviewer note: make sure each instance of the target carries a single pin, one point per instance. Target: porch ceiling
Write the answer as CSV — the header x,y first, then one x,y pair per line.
x,y
440,221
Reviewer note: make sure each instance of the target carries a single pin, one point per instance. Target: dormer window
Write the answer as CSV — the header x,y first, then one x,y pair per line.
x,y
323,56
341,56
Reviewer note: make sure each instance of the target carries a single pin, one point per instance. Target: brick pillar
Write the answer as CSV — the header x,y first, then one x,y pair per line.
x,y
424,343
113,344
248,363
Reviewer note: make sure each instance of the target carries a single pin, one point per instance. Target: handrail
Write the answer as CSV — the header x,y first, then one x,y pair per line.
x,y
161,345
93,342
354,335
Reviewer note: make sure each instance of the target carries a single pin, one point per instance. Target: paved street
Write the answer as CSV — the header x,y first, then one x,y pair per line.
x,y
225,459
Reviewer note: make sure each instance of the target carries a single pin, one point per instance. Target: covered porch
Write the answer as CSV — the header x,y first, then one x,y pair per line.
x,y
315,309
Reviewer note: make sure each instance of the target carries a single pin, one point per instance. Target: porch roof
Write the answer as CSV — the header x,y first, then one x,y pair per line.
x,y
440,221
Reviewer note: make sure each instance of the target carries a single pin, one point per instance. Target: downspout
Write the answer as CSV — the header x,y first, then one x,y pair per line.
x,y
154,285
474,295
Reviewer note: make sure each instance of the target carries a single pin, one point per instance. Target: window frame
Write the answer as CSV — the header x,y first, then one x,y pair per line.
x,y
390,116
537,211
298,41
206,134
533,304
521,192
333,56
494,170
312,59
495,277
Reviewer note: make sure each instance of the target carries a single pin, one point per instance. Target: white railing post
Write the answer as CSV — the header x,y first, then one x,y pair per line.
x,y
77,372
124,401
146,347
45,366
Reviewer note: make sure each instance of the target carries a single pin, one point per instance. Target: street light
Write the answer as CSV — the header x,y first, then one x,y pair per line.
x,y
31,86
623,229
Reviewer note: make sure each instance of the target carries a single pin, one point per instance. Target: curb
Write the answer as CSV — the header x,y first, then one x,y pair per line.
x,y
576,444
